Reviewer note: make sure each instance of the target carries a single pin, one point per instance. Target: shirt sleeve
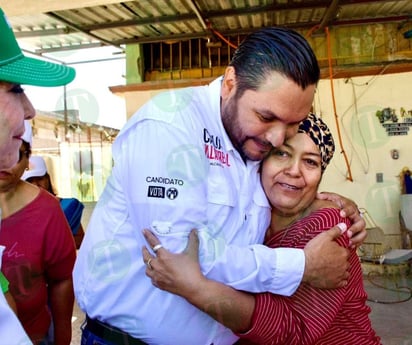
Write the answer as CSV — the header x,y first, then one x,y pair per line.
x,y
254,268
166,191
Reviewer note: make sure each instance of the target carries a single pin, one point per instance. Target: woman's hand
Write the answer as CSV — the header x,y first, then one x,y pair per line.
x,y
357,232
177,273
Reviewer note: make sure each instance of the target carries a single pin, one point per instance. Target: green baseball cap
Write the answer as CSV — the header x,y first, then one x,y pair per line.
x,y
19,69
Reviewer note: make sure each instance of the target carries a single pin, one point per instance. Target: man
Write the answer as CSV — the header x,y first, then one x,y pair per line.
x,y
17,69
188,159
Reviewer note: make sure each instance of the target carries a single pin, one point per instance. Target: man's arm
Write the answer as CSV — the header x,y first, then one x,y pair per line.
x,y
317,244
349,209
326,263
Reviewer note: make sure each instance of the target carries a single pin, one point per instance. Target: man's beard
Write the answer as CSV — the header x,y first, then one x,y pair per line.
x,y
230,119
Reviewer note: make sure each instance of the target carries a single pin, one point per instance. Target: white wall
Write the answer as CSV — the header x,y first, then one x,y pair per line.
x,y
366,143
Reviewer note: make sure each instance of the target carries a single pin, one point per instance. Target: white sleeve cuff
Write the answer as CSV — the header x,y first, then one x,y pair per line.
x,y
288,270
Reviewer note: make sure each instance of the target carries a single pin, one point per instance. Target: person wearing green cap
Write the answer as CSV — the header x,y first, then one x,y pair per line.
x,y
15,70
9,323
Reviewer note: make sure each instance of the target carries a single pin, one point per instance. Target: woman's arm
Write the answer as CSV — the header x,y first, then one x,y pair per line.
x,y
61,304
230,307
180,274
78,237
10,300
267,318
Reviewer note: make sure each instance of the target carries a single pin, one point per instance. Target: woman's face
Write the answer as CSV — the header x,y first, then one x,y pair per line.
x,y
11,177
40,181
291,175
15,107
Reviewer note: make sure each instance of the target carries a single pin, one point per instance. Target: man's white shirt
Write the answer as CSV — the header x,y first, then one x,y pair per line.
x,y
175,169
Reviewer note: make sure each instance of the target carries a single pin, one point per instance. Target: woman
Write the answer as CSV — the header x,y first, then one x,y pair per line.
x,y
17,69
39,255
73,209
290,176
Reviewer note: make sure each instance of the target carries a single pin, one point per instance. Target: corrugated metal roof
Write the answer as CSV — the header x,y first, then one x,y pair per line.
x,y
143,21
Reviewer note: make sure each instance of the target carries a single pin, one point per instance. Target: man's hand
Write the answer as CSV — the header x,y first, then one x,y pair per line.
x,y
357,232
326,262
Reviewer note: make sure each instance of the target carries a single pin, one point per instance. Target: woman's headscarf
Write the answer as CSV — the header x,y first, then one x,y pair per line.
x,y
320,134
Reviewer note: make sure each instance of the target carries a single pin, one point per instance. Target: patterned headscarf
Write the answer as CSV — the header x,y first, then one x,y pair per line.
x,y
320,134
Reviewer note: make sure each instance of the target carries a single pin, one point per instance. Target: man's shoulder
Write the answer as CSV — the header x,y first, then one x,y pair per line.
x,y
181,108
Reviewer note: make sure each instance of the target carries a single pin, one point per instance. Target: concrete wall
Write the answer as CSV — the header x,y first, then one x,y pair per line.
x,y
367,145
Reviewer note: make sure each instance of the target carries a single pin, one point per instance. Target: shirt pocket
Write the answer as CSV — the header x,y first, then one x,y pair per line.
x,y
222,204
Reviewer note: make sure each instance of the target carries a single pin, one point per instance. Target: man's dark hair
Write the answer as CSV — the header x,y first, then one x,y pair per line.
x,y
274,49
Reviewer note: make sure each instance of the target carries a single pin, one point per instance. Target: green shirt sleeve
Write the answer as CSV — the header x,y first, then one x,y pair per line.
x,y
4,283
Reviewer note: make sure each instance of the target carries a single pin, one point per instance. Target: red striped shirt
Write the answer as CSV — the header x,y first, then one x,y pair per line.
x,y
314,316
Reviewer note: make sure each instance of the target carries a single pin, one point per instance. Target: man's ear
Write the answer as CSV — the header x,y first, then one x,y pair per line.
x,y
229,82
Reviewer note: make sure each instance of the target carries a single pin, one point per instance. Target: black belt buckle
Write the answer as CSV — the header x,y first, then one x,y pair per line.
x,y
110,333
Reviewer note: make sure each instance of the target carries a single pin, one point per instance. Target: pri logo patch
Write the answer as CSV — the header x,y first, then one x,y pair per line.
x,y
172,193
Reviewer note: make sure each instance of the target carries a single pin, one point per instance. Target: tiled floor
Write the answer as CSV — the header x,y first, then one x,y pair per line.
x,y
391,320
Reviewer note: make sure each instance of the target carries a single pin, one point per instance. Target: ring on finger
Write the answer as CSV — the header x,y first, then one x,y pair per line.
x,y
157,247
148,264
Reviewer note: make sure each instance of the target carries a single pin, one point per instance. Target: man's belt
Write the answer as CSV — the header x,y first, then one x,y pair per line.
x,y
111,334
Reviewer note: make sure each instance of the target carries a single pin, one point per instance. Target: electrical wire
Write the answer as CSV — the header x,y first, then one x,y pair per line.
x,y
223,38
354,104
329,48
312,30
397,289
362,137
